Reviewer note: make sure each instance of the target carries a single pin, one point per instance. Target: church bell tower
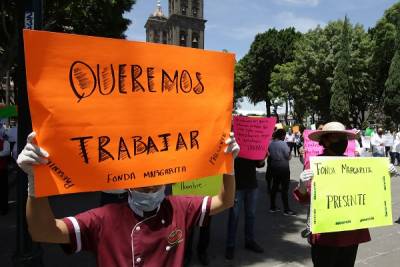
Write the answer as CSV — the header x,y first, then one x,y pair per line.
x,y
184,26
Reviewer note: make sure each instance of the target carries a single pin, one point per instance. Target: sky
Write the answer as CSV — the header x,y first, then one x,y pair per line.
x,y
233,24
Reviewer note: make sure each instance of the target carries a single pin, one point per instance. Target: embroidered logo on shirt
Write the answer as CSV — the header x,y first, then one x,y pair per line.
x,y
175,237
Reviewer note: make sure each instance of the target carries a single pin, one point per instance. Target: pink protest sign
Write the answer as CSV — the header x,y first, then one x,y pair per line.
x,y
312,148
253,135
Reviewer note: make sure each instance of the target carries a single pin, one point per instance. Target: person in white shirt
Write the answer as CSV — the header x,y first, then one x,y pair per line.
x,y
289,139
378,147
395,150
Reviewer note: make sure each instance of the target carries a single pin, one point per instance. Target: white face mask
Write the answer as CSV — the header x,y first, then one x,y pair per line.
x,y
140,201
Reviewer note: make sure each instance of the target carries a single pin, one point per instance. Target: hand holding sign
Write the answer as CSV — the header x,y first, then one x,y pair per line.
x,y
233,146
31,155
305,177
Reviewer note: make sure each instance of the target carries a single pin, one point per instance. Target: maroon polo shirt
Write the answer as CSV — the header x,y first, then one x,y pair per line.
x,y
121,238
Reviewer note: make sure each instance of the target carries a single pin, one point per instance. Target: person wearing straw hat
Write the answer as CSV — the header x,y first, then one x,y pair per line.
x,y
337,248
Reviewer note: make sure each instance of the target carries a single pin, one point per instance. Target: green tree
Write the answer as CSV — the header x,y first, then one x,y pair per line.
x,y
239,82
315,61
268,49
383,36
316,58
392,85
361,89
98,18
281,88
90,17
340,99
8,35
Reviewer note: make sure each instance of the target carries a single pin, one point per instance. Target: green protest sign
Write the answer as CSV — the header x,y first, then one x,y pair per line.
x,y
350,193
208,186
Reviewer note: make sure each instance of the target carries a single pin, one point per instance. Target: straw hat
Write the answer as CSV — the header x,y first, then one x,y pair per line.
x,y
332,127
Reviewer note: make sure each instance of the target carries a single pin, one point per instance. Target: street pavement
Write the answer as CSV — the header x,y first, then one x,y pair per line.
x,y
277,234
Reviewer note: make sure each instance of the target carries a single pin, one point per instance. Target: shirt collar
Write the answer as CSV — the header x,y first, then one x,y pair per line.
x,y
144,214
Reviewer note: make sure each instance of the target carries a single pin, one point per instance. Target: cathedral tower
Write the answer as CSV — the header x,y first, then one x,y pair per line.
x,y
184,26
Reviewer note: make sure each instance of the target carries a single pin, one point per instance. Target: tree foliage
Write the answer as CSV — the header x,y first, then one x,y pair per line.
x,y
98,18
384,38
8,35
339,71
340,99
89,17
268,49
322,73
281,85
314,64
392,84
239,82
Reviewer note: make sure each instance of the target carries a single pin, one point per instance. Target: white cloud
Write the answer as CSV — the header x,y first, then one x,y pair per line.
x,y
300,2
302,24
245,32
211,26
136,36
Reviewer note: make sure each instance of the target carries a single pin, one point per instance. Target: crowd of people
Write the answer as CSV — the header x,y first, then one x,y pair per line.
x,y
149,227
332,249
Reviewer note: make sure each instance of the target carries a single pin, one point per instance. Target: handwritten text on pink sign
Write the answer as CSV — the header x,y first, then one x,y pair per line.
x,y
253,135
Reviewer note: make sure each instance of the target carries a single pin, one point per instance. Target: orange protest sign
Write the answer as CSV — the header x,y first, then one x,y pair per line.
x,y
119,114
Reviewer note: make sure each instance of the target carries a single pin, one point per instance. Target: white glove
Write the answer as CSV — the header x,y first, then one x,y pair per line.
x,y
393,171
233,146
29,156
305,176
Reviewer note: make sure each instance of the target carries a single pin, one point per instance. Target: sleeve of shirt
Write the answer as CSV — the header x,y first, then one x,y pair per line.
x,y
303,198
286,151
84,230
198,211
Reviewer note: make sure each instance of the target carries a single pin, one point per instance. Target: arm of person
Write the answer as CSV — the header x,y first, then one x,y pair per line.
x,y
226,196
302,191
42,225
287,152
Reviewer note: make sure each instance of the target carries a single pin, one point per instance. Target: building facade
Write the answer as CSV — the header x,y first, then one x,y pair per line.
x,y
184,26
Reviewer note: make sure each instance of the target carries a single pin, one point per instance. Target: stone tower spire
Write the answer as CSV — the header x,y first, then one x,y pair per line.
x,y
184,26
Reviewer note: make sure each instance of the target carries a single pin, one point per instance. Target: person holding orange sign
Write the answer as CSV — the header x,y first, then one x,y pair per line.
x,y
148,230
